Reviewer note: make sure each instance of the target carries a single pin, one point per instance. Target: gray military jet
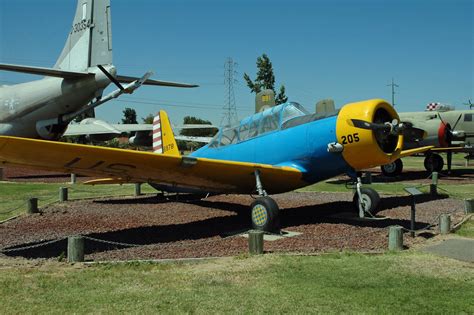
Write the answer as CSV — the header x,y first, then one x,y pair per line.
x,y
75,85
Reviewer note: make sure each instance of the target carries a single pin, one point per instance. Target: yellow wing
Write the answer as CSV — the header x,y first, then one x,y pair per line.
x,y
121,166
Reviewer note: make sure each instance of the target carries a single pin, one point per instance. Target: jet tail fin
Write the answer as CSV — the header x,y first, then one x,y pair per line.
x,y
90,40
163,137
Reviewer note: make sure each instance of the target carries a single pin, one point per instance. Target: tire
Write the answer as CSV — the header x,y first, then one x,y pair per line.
x,y
393,169
370,198
264,214
434,163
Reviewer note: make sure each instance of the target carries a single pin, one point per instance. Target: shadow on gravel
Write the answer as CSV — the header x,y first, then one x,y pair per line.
x,y
220,226
155,198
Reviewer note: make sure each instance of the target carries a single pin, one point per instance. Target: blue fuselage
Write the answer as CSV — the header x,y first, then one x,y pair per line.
x,y
303,147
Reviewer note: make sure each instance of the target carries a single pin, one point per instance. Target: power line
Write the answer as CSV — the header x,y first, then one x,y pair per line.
x,y
229,116
393,85
174,105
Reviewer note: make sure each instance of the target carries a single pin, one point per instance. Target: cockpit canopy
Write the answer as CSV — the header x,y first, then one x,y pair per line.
x,y
274,118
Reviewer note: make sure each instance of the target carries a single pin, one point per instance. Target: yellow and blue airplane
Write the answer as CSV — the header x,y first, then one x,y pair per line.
x,y
278,150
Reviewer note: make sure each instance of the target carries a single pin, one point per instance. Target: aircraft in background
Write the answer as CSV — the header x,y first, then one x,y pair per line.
x,y
278,150
44,108
96,130
446,129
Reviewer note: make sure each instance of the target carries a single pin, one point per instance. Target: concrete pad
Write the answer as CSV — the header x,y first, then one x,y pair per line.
x,y
275,237
459,248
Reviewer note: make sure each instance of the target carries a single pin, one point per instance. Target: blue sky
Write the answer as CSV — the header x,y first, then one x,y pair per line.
x,y
341,49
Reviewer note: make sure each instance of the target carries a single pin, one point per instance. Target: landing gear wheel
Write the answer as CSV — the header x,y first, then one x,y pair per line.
x,y
370,200
264,214
393,169
434,163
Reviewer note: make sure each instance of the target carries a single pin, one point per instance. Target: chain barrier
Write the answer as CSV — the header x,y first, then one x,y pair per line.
x,y
163,245
48,200
17,249
11,210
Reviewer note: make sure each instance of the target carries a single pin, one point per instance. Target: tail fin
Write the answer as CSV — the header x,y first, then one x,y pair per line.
x,y
163,138
90,39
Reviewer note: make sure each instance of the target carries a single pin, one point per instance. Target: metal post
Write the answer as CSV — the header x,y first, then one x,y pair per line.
x,y
255,242
32,206
138,189
1,174
395,238
434,184
73,178
412,221
444,223
63,195
75,249
469,205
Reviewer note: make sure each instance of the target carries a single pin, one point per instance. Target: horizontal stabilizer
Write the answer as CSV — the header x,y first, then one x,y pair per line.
x,y
50,72
125,79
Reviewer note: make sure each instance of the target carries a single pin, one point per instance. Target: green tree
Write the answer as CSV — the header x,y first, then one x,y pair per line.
x,y
265,79
148,119
130,116
201,132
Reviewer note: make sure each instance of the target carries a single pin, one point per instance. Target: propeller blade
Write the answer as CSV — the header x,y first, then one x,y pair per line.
x,y
456,123
368,125
111,78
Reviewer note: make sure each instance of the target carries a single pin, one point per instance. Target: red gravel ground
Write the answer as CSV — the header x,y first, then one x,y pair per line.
x,y
205,228
211,227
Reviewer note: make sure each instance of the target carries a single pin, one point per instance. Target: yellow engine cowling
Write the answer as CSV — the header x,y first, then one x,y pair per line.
x,y
364,148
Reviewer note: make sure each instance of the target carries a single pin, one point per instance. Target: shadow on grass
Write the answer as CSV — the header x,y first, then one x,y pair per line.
x,y
218,227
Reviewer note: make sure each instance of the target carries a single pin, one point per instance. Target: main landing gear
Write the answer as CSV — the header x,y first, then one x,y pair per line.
x,y
264,210
433,162
392,169
366,200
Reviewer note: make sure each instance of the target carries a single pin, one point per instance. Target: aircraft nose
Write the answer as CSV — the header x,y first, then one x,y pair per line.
x,y
369,132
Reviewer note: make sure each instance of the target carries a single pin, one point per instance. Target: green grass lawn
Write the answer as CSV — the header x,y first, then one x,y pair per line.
x,y
331,283
467,229
14,196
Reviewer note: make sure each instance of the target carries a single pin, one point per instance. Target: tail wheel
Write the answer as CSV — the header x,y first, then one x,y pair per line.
x,y
434,163
265,215
393,169
370,201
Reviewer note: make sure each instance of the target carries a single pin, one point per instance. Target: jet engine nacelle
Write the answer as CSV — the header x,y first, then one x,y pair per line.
x,y
50,129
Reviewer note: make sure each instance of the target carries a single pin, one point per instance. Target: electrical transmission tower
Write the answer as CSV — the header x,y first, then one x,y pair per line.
x,y
229,116
393,85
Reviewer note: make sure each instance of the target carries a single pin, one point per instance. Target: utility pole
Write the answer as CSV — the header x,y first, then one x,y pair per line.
x,y
393,85
229,116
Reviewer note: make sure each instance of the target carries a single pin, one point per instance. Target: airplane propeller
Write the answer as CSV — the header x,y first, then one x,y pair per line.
x,y
394,128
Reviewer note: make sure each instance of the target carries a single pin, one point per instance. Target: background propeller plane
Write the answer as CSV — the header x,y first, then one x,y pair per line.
x,y
44,108
280,149
446,129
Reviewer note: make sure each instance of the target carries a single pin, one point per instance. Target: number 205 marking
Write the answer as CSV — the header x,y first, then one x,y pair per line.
x,y
350,138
